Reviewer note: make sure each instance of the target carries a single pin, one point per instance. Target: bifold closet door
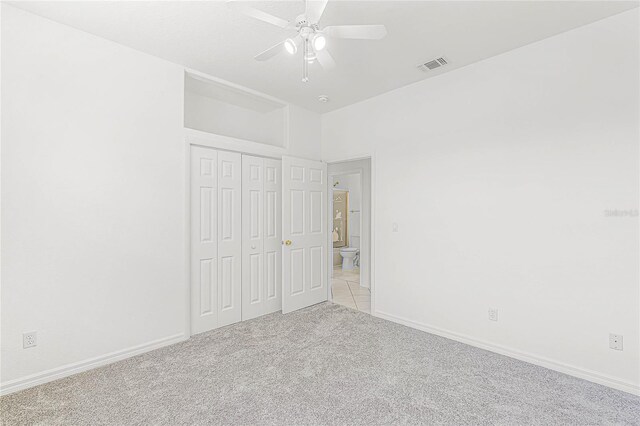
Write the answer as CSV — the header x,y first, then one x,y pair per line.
x,y
273,234
229,238
204,239
216,244
261,236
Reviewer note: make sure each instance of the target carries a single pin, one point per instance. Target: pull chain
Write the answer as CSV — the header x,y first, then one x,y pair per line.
x,y
305,63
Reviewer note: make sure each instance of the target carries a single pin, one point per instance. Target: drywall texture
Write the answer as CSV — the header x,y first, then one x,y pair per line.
x,y
502,177
304,133
214,116
93,198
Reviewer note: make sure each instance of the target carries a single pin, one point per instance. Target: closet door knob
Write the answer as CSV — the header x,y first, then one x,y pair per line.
x,y
253,247
288,243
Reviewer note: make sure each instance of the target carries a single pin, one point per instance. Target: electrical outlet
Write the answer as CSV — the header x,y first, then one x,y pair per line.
x,y
493,314
615,341
394,228
29,340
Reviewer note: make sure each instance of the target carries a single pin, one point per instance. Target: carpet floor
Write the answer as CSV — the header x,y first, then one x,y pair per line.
x,y
322,365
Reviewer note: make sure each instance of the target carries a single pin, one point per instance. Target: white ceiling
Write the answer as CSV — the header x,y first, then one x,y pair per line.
x,y
211,38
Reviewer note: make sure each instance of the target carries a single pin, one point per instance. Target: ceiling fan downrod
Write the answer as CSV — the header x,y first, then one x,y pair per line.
x,y
305,61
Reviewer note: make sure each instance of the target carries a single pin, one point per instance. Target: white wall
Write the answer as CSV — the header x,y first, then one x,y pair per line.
x,y
498,176
304,133
214,116
93,198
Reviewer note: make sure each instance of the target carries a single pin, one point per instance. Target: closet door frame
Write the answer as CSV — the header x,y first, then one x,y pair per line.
x,y
220,143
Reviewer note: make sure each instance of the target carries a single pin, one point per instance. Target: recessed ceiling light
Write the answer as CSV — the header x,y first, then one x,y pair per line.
x,y
323,98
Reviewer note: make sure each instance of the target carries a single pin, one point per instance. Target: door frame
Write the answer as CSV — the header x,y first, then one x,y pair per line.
x,y
221,143
372,263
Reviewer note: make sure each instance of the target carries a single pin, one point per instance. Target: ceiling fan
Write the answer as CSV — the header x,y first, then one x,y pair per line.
x,y
310,36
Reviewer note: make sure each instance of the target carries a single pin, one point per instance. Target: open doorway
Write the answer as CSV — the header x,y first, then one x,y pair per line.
x,y
350,233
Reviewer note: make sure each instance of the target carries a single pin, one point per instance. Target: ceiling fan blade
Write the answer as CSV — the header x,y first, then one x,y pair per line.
x,y
364,32
242,7
315,9
270,52
325,59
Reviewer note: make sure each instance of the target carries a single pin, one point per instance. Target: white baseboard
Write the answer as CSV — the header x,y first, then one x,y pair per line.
x,y
581,373
77,367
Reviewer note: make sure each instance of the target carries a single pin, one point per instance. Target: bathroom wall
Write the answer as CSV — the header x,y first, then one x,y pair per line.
x,y
362,195
351,183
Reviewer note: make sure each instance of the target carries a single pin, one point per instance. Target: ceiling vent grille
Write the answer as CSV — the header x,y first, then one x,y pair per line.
x,y
432,65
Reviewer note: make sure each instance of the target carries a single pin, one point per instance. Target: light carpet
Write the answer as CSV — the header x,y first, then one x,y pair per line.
x,y
322,365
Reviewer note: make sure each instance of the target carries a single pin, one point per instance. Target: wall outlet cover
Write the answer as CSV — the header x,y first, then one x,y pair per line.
x,y
615,341
29,340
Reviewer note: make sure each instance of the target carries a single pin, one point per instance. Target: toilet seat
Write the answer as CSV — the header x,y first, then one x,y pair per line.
x,y
349,249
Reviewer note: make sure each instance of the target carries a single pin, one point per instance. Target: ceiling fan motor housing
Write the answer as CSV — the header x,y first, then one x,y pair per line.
x,y
304,27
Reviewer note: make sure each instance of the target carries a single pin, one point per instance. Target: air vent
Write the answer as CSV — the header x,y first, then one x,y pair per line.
x,y
432,65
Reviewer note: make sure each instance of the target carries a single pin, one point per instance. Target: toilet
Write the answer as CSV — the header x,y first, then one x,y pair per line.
x,y
348,254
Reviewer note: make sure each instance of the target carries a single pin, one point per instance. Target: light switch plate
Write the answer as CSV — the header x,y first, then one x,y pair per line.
x,y
493,314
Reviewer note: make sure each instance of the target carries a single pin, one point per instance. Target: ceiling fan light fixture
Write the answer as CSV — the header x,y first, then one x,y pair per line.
x,y
319,41
290,46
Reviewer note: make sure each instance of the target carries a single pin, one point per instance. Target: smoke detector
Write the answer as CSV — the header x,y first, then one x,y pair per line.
x,y
323,98
433,64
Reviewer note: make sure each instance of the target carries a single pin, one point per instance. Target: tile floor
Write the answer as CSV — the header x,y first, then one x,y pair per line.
x,y
346,290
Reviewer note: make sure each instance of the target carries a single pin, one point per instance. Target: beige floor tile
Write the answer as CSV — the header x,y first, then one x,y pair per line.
x,y
348,276
337,273
362,302
346,290
357,290
366,298
360,293
364,308
340,287
342,294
